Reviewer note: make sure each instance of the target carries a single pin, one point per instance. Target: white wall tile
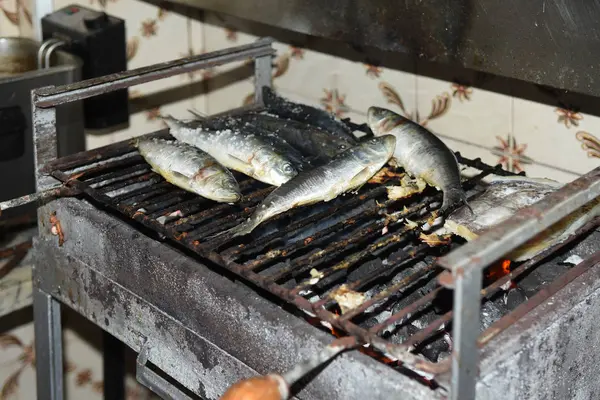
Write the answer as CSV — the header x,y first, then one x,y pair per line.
x,y
471,114
551,135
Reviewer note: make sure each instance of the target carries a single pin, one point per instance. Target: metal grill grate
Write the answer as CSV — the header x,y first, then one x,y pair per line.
x,y
305,254
332,239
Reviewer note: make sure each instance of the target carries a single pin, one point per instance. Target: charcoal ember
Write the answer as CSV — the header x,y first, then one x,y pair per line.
x,y
443,355
514,298
532,282
434,350
538,277
396,256
401,334
491,311
364,270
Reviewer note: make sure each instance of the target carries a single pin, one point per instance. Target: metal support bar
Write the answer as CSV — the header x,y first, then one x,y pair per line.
x,y
153,381
262,77
465,352
48,346
467,264
40,197
114,367
47,97
524,225
44,141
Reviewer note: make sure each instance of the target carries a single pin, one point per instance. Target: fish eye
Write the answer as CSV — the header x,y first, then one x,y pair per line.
x,y
288,169
343,146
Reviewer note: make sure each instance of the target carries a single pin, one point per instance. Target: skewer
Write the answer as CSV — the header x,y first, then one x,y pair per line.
x,y
58,191
277,387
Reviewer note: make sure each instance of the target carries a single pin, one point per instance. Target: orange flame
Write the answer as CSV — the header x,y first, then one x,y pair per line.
x,y
499,270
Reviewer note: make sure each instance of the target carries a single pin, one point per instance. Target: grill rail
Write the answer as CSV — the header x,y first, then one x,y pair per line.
x,y
351,236
255,257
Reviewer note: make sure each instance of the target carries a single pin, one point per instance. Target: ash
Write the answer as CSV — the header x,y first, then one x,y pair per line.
x,y
439,346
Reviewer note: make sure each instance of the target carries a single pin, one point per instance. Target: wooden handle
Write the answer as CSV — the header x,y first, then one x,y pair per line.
x,y
269,387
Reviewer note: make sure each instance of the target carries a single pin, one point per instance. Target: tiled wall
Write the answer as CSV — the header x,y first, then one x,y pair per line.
x,y
524,127
480,116
15,18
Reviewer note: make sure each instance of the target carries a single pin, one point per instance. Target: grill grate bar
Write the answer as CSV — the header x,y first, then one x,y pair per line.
x,y
496,286
260,243
119,176
150,177
382,296
141,194
379,245
353,237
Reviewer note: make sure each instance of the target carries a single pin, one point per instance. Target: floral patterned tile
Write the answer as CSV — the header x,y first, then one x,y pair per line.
x,y
233,95
82,364
558,137
469,114
198,79
309,73
364,85
15,16
217,36
507,153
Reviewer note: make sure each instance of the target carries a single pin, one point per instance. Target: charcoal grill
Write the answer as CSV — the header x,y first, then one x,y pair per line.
x,y
134,255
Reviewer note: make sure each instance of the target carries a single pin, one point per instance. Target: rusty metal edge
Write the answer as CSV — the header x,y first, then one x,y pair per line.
x,y
50,97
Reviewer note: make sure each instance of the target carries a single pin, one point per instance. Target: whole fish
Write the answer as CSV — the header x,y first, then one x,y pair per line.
x,y
237,150
422,154
190,168
310,141
347,171
237,124
303,113
502,198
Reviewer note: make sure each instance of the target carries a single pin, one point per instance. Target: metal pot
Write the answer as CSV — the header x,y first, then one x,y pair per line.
x,y
19,75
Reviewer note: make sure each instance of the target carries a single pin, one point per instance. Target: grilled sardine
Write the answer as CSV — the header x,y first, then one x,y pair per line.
x,y
190,168
304,113
347,171
237,150
239,124
422,154
502,198
310,141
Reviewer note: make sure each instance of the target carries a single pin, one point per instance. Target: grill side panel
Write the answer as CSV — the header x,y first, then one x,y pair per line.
x,y
550,353
111,273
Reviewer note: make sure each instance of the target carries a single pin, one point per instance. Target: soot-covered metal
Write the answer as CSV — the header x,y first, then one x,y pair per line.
x,y
358,248
357,265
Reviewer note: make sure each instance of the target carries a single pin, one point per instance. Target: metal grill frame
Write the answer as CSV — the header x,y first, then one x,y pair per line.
x,y
466,277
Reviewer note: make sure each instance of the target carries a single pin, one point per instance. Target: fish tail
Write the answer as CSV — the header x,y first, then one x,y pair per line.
x,y
453,197
239,230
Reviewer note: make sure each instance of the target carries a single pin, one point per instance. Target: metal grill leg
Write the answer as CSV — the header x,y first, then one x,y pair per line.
x,y
114,367
465,352
48,346
262,76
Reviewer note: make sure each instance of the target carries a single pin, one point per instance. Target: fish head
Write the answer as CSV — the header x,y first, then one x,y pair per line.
x,y
375,149
276,169
382,121
216,184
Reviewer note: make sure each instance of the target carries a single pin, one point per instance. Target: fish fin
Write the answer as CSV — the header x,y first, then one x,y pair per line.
x,y
239,230
453,197
250,169
357,189
358,181
179,174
